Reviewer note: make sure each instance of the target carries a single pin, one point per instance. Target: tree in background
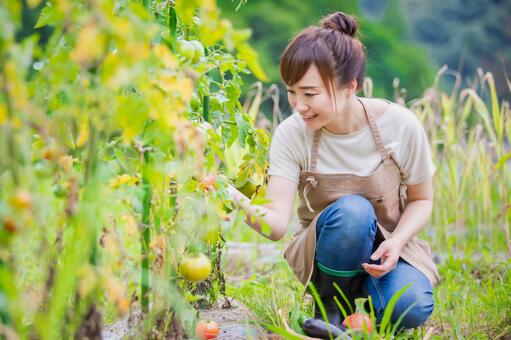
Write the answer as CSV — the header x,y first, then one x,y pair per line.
x,y
465,35
389,53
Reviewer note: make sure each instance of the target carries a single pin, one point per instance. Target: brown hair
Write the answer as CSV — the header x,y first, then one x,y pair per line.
x,y
333,48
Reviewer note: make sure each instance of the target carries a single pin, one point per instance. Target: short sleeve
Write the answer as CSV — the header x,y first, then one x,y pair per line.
x,y
283,156
417,165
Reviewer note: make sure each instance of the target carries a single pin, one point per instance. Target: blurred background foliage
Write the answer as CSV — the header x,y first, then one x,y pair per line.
x,y
464,35
405,39
389,54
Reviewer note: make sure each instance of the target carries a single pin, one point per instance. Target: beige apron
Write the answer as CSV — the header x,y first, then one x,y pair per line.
x,y
384,188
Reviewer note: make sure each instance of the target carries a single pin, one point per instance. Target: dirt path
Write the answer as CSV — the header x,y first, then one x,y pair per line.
x,y
235,323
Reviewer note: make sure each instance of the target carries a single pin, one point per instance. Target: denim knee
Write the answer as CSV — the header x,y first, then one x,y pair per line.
x,y
345,234
354,212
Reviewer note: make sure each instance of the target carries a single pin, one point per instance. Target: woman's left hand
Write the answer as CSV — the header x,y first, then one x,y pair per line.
x,y
389,251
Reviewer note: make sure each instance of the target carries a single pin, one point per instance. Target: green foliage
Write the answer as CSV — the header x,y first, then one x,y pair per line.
x,y
107,158
265,295
474,299
390,55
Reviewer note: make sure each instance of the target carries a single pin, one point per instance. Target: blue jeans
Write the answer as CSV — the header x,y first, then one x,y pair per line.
x,y
346,238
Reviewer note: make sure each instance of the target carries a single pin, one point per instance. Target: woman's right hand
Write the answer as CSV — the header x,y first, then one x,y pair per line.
x,y
277,213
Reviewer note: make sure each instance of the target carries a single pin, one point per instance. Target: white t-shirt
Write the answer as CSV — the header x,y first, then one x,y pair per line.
x,y
356,152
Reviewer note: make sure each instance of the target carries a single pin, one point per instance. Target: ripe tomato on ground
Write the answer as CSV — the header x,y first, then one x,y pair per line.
x,y
356,321
207,330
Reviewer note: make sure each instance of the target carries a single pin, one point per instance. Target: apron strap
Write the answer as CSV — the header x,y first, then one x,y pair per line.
x,y
314,150
376,133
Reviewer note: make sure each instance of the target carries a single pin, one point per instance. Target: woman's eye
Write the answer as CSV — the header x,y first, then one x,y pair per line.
x,y
306,94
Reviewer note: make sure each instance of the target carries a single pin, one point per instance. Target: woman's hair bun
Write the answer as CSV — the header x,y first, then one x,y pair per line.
x,y
340,22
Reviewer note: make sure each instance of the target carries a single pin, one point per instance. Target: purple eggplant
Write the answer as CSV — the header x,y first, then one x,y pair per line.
x,y
318,328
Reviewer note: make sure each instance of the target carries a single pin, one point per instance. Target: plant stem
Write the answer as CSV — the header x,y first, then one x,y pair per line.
x,y
173,27
146,233
91,159
205,104
10,130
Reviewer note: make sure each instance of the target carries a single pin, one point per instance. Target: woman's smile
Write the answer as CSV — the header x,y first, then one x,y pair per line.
x,y
309,118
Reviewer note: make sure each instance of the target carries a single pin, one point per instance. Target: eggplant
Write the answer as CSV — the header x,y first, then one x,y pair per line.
x,y
318,328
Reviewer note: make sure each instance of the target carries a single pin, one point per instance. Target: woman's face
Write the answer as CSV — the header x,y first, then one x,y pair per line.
x,y
309,97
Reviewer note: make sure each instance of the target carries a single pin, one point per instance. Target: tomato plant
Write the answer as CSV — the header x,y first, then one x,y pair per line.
x,y
115,130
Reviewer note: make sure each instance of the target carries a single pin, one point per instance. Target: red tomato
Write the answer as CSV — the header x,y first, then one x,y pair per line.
x,y
207,330
356,321
10,225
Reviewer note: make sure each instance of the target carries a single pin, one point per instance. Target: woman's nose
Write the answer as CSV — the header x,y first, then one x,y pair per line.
x,y
301,107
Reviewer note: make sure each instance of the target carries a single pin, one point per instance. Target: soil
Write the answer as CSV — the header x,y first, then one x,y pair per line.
x,y
121,329
235,322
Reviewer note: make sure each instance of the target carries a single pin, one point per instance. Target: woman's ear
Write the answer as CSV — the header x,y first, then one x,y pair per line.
x,y
351,88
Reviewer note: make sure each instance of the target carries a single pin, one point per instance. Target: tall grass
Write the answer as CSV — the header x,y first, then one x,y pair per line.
x,y
470,131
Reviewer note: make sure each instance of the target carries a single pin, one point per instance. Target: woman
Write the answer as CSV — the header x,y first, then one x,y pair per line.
x,y
363,171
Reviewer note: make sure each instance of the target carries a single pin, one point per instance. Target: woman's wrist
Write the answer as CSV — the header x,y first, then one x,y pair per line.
x,y
236,196
401,242
257,216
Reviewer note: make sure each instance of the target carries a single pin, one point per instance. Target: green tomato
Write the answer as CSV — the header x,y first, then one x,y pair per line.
x,y
59,191
198,51
185,49
248,189
195,269
44,169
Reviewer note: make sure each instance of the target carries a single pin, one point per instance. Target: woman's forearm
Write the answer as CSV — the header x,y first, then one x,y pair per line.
x,y
258,216
414,219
